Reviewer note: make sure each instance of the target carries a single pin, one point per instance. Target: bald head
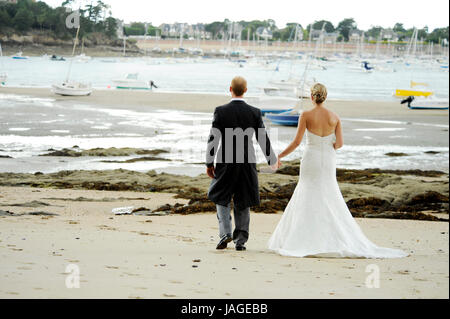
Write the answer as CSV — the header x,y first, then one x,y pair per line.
x,y
238,86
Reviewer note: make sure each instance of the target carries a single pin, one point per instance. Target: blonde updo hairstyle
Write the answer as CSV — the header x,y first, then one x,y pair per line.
x,y
319,93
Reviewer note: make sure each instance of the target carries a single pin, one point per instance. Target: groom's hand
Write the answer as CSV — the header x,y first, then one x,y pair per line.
x,y
210,172
277,165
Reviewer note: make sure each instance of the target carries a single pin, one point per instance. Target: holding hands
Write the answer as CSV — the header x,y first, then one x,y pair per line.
x,y
277,165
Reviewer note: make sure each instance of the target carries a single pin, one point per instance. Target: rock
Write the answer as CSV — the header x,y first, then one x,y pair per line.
x,y
142,211
429,197
64,152
102,152
5,156
33,204
367,204
405,215
293,170
41,214
394,154
139,159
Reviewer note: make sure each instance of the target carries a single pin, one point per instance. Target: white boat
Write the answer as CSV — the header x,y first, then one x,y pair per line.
x,y
19,56
195,51
131,81
289,88
72,89
82,58
421,103
108,60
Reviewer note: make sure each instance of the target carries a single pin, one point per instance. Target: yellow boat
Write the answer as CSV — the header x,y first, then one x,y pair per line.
x,y
413,92
409,92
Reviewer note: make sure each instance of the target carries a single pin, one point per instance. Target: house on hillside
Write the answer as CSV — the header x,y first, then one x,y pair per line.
x,y
328,37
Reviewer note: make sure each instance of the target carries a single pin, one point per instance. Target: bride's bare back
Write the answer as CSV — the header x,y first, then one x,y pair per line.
x,y
318,121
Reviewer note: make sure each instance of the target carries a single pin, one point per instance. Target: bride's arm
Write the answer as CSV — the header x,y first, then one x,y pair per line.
x,y
339,136
298,138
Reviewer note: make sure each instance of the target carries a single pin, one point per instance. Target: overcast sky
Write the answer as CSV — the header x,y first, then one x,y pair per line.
x,y
367,13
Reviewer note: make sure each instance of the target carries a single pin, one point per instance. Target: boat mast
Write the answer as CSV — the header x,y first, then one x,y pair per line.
x,y
181,36
73,54
299,105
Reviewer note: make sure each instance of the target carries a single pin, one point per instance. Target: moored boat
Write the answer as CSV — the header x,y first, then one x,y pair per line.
x,y
19,56
72,89
423,90
57,58
415,103
274,105
131,81
288,118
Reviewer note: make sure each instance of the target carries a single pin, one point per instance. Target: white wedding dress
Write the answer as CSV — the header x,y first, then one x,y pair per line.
x,y
317,221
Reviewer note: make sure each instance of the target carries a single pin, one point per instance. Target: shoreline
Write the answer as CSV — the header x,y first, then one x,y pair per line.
x,y
206,102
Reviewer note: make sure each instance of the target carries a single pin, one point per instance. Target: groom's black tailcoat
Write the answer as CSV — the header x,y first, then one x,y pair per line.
x,y
236,177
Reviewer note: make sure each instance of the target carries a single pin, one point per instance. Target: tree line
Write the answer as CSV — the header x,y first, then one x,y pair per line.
x,y
28,15
95,17
343,30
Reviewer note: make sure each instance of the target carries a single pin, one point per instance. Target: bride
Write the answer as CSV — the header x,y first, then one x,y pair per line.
x,y
317,222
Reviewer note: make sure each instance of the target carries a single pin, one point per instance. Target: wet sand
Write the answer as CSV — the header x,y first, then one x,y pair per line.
x,y
198,102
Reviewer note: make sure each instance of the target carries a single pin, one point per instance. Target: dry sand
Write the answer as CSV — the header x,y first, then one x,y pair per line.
x,y
198,102
153,257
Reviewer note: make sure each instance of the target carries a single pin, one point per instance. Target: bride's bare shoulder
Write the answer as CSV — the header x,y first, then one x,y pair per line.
x,y
333,114
305,114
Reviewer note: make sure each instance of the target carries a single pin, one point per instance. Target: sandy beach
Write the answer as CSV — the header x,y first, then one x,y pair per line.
x,y
174,256
166,249
198,102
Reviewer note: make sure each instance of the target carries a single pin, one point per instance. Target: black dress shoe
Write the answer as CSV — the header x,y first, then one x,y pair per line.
x,y
240,247
223,243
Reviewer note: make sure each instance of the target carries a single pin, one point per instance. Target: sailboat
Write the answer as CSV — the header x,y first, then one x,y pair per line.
x,y
72,88
19,56
131,81
288,88
3,75
82,57
420,103
422,89
290,118
294,87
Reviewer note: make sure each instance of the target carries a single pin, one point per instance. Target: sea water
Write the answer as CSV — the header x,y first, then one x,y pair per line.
x,y
213,75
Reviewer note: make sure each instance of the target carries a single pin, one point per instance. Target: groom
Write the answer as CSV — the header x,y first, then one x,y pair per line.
x,y
235,175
